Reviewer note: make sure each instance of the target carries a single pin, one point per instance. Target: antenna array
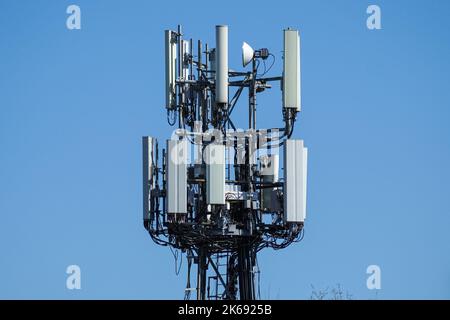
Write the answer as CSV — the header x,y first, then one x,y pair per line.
x,y
215,191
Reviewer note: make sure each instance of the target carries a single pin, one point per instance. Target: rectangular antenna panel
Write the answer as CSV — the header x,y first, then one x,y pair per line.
x,y
176,179
295,174
171,55
291,70
149,162
186,50
222,64
215,174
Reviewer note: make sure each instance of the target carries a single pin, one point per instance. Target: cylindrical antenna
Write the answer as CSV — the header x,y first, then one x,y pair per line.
x,y
222,64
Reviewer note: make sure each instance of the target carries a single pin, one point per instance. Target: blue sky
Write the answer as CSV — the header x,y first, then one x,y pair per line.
x,y
74,105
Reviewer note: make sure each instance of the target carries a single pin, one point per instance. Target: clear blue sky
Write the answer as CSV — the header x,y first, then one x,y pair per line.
x,y
376,119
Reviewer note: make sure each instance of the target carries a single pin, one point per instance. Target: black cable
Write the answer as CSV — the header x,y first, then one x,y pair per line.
x,y
271,65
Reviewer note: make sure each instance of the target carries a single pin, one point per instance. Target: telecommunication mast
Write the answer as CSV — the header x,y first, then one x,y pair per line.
x,y
215,191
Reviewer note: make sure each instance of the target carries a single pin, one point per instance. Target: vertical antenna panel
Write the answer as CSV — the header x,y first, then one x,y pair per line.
x,y
222,64
304,179
212,67
171,55
291,70
212,59
186,50
215,174
149,162
295,170
176,197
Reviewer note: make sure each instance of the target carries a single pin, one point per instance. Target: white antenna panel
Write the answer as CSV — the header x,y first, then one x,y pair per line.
x,y
171,55
291,70
222,64
295,174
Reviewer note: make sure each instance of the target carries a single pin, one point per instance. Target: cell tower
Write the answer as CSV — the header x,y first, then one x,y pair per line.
x,y
216,193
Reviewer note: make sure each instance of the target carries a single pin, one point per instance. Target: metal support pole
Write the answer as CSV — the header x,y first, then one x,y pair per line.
x,y
201,273
199,75
245,269
205,94
252,98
